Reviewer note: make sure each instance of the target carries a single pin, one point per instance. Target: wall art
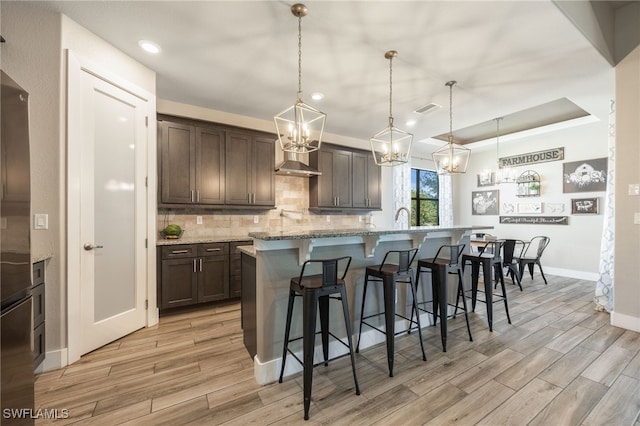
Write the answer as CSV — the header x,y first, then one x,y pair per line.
x,y
585,206
529,208
553,207
485,202
585,175
508,208
554,154
484,180
537,220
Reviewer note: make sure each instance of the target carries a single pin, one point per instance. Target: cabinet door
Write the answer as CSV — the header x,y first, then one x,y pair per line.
x,y
176,156
237,161
321,187
179,283
359,184
213,278
342,178
210,171
263,171
373,182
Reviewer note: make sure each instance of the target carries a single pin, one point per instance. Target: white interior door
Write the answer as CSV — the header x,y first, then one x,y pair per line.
x,y
108,139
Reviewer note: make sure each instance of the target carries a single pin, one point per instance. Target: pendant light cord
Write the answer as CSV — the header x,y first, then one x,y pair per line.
x,y
390,90
299,56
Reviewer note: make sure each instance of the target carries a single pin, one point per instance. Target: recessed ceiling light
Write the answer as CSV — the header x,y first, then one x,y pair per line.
x,y
411,123
149,46
316,96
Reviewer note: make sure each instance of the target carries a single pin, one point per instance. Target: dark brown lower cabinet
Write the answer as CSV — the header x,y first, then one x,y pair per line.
x,y
248,302
199,273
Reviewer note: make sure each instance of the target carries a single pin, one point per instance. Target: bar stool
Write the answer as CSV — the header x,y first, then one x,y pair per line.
x,y
440,268
389,274
316,290
489,257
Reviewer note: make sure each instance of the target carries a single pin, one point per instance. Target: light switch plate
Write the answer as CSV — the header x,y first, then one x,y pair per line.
x,y
40,221
634,189
256,219
198,220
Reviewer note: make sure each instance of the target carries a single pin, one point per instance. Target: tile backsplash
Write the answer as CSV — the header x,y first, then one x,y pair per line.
x,y
291,212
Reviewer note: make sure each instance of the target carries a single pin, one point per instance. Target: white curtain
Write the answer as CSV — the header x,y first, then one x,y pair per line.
x,y
604,285
402,192
446,200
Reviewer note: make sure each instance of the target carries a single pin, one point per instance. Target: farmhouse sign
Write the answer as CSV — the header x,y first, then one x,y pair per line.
x,y
555,154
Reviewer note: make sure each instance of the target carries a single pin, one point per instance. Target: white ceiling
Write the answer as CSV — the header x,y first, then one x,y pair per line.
x,y
241,57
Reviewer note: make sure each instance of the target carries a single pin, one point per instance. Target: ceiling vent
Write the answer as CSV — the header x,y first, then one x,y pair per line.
x,y
427,108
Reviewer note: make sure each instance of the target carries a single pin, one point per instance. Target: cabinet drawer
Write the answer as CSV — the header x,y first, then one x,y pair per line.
x,y
179,251
38,304
213,249
38,273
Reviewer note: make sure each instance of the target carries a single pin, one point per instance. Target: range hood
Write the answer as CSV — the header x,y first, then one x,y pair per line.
x,y
291,166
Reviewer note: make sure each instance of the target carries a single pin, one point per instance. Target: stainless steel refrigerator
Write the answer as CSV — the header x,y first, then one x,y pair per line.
x,y
17,399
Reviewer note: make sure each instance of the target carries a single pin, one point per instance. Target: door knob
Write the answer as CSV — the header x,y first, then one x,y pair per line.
x,y
89,246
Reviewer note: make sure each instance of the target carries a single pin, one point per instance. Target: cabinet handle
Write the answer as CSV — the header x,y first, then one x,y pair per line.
x,y
198,196
194,266
179,251
338,198
249,198
200,264
192,196
214,249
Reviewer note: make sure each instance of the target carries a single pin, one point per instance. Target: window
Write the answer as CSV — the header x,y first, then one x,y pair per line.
x,y
424,198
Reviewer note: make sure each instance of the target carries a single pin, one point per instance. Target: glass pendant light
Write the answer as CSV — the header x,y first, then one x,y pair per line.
x,y
391,146
451,158
300,127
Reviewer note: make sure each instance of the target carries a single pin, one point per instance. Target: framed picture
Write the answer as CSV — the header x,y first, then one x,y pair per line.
x,y
585,206
485,202
554,207
585,176
529,208
484,180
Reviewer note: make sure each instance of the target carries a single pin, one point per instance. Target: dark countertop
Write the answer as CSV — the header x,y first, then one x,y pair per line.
x,y
356,232
199,240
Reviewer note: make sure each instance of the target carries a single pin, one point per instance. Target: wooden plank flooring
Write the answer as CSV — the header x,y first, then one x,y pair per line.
x,y
558,363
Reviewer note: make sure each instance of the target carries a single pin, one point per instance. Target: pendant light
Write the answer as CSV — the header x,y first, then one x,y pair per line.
x,y
300,127
451,158
391,146
503,174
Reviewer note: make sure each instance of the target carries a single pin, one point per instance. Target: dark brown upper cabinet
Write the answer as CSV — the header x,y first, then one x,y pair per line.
x,y
250,160
207,165
350,179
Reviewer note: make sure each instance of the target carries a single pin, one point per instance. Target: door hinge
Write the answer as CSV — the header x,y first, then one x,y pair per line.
x,y
146,121
146,181
146,243
146,304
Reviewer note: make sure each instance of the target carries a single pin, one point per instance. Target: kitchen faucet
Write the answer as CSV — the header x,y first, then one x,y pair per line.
x,y
406,210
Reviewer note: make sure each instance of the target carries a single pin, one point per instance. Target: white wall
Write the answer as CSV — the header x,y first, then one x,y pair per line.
x,y
627,236
34,57
575,248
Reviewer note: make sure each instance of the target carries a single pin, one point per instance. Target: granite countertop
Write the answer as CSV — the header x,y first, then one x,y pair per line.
x,y
355,232
199,240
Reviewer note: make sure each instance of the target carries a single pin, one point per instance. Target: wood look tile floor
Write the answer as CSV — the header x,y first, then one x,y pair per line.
x,y
559,363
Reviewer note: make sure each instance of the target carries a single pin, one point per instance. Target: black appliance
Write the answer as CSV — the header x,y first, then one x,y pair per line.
x,y
16,350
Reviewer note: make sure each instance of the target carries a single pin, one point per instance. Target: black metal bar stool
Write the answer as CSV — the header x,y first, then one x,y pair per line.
x,y
440,268
316,290
489,257
389,274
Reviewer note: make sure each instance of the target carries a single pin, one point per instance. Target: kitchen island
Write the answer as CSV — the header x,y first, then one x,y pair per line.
x,y
275,257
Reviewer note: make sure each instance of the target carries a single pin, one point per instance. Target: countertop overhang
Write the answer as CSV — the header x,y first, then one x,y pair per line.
x,y
305,240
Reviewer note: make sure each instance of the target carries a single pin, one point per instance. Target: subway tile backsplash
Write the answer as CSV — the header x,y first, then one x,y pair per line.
x,y
292,196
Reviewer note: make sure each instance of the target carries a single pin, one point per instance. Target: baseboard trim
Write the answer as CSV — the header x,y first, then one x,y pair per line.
x,y
625,321
269,371
569,273
54,360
